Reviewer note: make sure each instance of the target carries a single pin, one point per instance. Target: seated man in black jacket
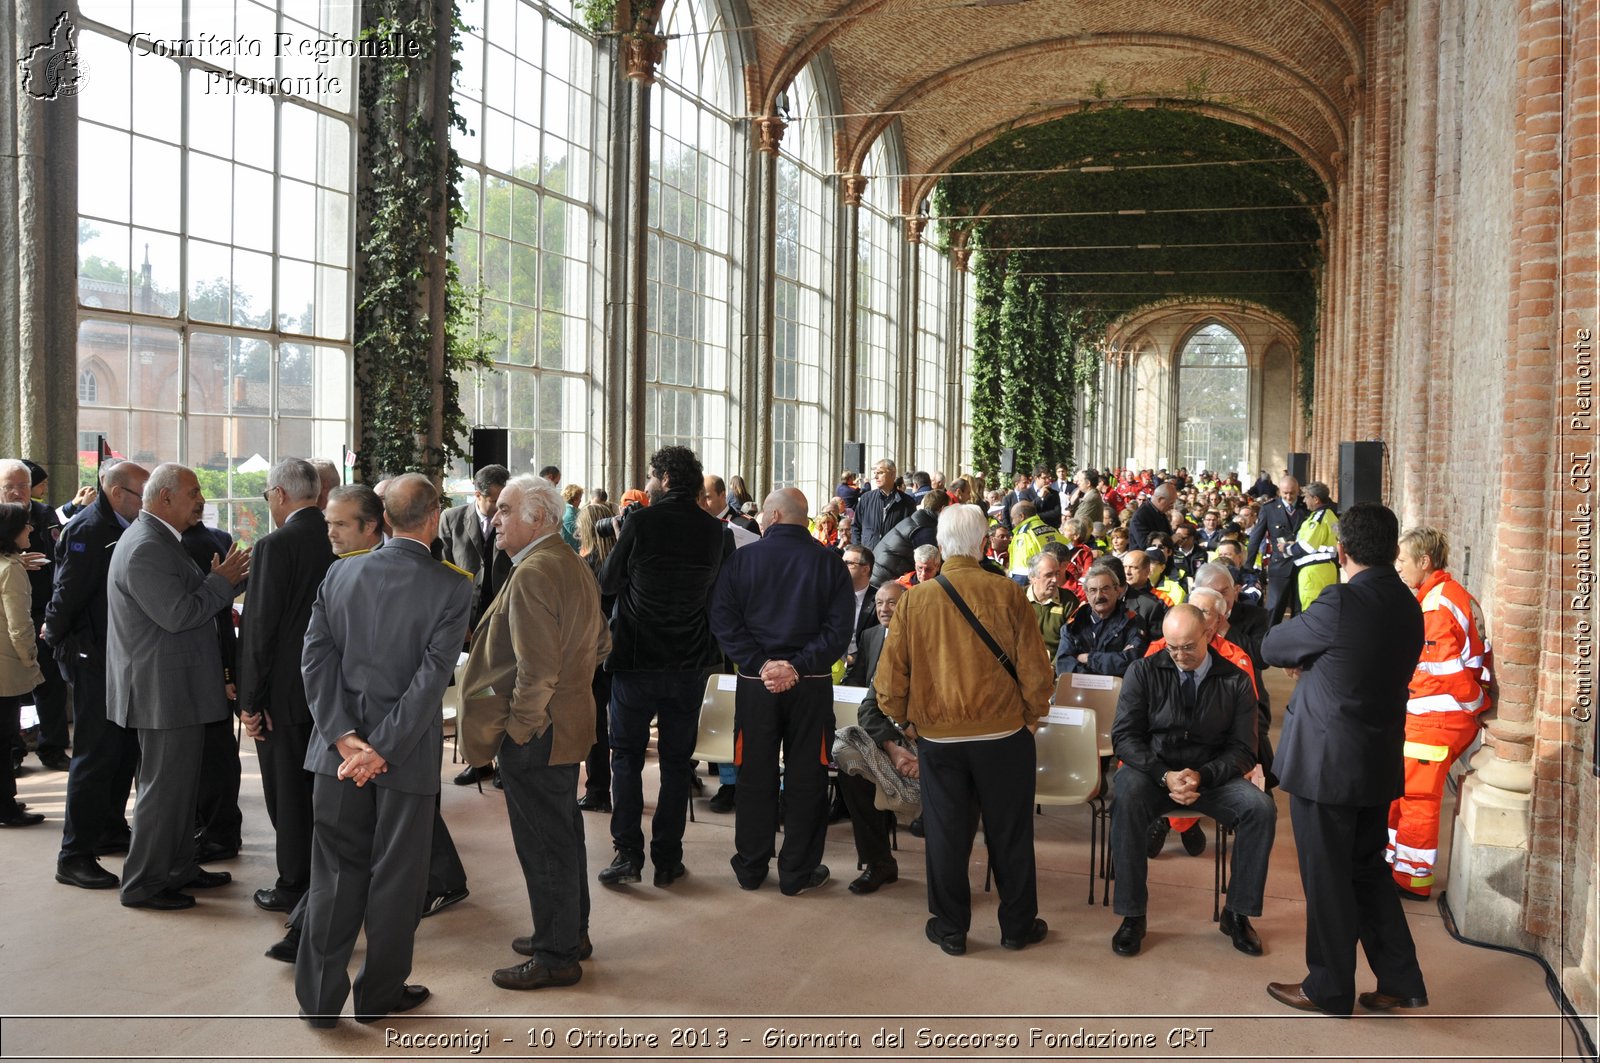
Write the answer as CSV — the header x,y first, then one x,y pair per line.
x,y
1105,638
1186,734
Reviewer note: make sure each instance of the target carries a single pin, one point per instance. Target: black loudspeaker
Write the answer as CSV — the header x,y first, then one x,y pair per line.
x,y
1008,460
1360,473
855,458
491,446
1300,466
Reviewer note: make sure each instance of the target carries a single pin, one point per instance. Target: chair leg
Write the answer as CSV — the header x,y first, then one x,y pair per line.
x,y
894,831
1220,876
1094,841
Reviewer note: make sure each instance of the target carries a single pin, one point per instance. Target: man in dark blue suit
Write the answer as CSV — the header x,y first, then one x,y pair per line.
x,y
1340,759
1278,525
104,755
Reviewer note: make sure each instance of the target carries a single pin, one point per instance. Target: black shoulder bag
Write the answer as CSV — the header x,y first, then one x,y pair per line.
x,y
983,633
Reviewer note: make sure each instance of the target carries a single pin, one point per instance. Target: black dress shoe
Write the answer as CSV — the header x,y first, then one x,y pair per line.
x,y
1376,1001
21,818
208,880
818,876
915,827
286,950
469,775
594,803
211,852
874,876
1032,936
952,944
1194,840
1411,895
320,1022
723,800
165,901
438,902
1244,936
534,975
622,870
411,996
1294,995
1126,941
55,759
85,872
666,876
276,900
1158,837
524,946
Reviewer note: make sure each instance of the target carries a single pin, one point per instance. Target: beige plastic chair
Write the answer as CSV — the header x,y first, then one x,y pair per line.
x,y
1072,693
450,712
1068,773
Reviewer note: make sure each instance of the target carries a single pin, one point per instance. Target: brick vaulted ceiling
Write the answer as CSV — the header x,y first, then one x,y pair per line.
x,y
956,75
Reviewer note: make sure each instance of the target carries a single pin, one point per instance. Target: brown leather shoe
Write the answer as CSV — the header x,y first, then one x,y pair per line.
x,y
1376,1001
534,975
1294,995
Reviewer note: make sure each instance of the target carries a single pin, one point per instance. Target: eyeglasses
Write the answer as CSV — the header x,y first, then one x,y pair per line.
x,y
856,564
266,496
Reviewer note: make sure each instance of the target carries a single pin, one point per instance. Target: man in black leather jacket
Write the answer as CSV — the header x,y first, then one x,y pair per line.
x,y
661,571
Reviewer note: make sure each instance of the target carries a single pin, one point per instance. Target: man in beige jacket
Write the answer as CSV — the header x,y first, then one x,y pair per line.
x,y
529,700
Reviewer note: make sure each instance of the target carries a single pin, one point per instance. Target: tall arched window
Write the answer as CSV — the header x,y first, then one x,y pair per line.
x,y
877,321
1213,401
526,90
688,361
88,388
932,354
803,303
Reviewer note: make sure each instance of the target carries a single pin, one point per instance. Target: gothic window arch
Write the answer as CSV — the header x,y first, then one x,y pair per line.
x,y
1213,400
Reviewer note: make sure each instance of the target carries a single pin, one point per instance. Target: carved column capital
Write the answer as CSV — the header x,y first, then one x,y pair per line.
x,y
914,226
960,257
642,53
855,186
769,128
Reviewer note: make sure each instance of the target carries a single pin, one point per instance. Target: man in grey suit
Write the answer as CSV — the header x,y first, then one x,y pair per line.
x,y
381,646
164,679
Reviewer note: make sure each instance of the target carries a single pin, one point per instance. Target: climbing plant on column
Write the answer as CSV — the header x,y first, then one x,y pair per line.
x,y
985,384
413,318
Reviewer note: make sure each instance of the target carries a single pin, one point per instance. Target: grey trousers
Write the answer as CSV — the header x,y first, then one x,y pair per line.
x,y
369,864
161,853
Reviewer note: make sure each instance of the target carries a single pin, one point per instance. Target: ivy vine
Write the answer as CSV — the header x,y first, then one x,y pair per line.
x,y
408,178
1110,224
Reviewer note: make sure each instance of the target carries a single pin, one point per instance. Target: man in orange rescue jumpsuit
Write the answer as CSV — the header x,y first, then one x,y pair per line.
x,y
1449,690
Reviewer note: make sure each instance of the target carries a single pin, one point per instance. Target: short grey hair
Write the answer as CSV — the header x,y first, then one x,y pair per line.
x,y
1038,559
165,477
1098,569
11,466
328,472
297,478
1200,594
924,553
1213,575
409,501
537,498
961,531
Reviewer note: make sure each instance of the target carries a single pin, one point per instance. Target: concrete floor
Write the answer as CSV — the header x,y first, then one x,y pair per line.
x,y
797,977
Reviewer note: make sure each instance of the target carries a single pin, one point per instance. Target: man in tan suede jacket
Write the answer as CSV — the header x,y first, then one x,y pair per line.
x,y
974,722
528,699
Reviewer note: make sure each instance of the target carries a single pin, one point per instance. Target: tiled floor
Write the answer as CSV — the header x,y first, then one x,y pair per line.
x,y
703,966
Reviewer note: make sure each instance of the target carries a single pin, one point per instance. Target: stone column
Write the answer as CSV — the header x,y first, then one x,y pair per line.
x,y
642,53
955,367
911,313
769,138
39,242
853,187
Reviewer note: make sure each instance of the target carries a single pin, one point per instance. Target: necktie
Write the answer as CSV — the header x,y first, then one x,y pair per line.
x,y
1188,690
488,541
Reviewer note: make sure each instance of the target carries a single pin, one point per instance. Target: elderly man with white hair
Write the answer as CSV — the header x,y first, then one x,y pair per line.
x,y
965,663
783,610
530,701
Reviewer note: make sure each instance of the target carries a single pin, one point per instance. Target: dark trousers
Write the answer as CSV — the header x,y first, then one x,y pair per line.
x,y
1283,597
10,714
369,866
445,872
998,774
217,816
50,700
287,788
547,829
597,768
800,721
1140,801
1350,897
104,759
672,699
869,823
161,854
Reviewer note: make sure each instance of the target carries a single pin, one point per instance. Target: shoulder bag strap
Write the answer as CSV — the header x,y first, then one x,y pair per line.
x,y
983,633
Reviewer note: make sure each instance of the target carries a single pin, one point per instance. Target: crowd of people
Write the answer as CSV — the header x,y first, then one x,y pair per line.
x,y
573,626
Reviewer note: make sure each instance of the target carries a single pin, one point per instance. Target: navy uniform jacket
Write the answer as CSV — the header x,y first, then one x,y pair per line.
x,y
1345,728
286,568
785,598
75,618
1276,522
380,649
1112,645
